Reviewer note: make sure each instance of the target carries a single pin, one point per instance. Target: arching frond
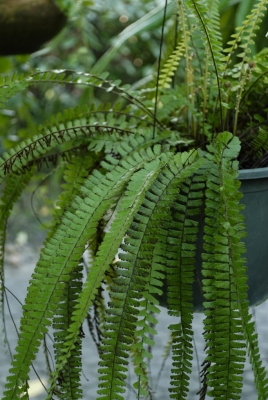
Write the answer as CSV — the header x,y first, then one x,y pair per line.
x,y
64,251
126,208
142,274
225,278
181,246
67,383
75,173
11,86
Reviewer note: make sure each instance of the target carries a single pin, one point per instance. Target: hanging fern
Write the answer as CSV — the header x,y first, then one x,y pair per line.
x,y
67,381
180,278
133,197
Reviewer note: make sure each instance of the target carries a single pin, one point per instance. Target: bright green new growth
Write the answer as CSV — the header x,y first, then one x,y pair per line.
x,y
132,198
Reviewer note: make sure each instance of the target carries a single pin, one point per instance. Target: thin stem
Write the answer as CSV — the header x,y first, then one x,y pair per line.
x,y
158,68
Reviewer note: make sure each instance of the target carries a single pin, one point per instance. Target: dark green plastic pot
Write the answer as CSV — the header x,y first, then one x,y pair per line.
x,y
25,25
255,190
254,186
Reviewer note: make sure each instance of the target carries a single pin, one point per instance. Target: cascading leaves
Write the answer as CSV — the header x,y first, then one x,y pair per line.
x,y
225,288
140,272
133,199
150,190
64,251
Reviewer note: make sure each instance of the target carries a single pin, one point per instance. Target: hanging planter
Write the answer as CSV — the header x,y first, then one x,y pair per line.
x,y
255,191
25,25
254,186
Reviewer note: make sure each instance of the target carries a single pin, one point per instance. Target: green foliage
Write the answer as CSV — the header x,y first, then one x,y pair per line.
x,y
136,179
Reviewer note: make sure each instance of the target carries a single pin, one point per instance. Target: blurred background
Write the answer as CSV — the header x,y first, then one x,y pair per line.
x,y
123,38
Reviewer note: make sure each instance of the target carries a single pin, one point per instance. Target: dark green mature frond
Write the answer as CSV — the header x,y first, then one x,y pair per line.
x,y
135,202
30,152
123,117
223,264
179,274
225,288
58,259
95,317
162,248
126,207
181,243
69,77
66,132
124,145
75,172
251,339
68,383
139,277
181,247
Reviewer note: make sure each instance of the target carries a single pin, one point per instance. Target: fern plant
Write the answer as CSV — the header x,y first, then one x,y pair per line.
x,y
137,174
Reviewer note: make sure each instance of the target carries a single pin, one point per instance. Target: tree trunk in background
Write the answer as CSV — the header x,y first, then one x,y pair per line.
x,y
26,24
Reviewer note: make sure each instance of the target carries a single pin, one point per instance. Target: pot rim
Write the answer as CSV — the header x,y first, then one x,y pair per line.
x,y
259,173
